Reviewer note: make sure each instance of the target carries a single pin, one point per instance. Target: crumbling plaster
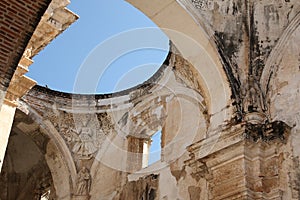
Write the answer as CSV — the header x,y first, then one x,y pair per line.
x,y
226,100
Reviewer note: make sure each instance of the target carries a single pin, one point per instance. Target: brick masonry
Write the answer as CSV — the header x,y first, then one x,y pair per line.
x,y
18,20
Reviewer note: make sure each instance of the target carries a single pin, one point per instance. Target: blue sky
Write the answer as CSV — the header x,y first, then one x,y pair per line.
x,y
155,149
99,32
58,65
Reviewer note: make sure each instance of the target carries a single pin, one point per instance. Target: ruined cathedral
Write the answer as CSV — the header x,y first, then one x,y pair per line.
x,y
226,101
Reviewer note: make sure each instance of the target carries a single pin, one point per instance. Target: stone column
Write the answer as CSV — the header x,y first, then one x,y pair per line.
x,y
243,162
135,153
219,159
146,152
7,114
19,86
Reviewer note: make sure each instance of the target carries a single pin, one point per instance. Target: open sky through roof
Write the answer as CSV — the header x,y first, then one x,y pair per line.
x,y
102,22
57,66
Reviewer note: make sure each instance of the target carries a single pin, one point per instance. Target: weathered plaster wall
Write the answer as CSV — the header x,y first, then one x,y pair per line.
x,y
284,97
195,46
227,106
59,172
25,173
253,39
247,35
96,131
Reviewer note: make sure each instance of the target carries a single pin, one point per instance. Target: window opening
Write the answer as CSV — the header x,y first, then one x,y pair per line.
x,y
155,148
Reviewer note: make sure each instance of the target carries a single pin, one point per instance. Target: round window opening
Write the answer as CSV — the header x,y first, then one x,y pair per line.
x,y
110,48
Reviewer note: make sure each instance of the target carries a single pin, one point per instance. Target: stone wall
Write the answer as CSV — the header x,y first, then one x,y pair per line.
x,y
242,145
248,36
103,135
284,97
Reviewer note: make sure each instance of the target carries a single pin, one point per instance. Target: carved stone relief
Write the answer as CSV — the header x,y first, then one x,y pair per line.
x,y
83,182
83,133
254,100
105,122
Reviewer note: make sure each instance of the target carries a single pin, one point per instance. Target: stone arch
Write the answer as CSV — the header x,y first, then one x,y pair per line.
x,y
275,57
195,46
282,82
25,174
58,157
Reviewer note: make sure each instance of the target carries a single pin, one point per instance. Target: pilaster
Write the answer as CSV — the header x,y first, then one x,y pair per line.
x,y
237,165
19,86
135,153
7,114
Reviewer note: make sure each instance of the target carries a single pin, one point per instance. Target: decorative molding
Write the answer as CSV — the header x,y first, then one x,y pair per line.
x,y
56,19
42,36
19,84
233,153
200,169
267,131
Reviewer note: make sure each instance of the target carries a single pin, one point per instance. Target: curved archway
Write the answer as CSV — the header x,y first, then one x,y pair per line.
x,y
195,46
34,166
273,60
283,80
56,154
282,83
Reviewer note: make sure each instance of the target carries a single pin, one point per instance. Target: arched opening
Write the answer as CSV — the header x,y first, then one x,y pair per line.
x,y
152,150
155,148
196,46
34,167
25,173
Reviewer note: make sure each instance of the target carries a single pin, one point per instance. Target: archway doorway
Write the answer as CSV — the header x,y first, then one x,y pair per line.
x,y
25,173
33,167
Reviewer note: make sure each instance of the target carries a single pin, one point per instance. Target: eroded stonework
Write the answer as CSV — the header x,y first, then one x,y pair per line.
x,y
245,146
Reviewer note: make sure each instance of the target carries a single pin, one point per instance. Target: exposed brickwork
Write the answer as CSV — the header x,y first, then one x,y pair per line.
x,y
18,20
